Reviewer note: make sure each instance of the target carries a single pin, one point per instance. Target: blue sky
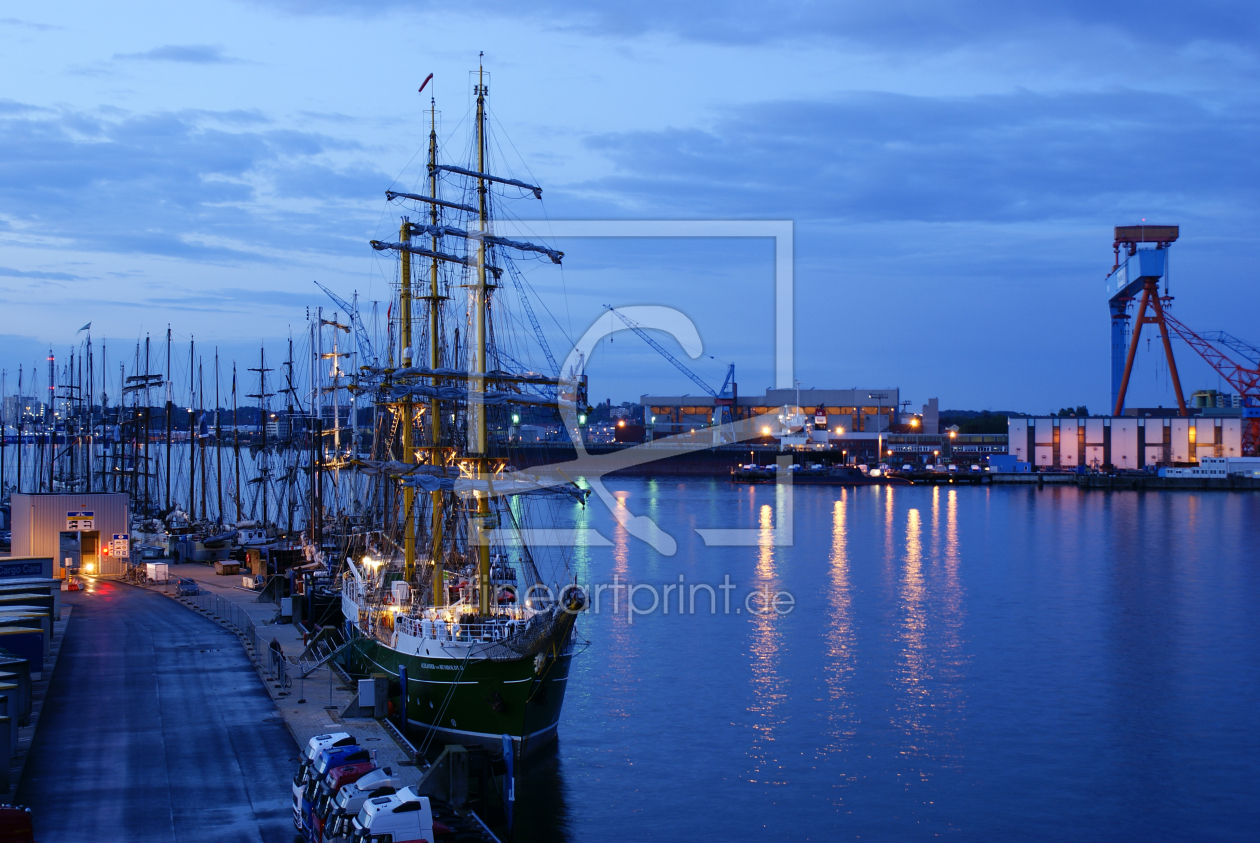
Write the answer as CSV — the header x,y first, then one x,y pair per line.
x,y
953,171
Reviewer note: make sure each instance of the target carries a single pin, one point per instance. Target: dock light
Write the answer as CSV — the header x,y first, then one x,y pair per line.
x,y
952,434
914,422
516,419
765,431
621,423
840,431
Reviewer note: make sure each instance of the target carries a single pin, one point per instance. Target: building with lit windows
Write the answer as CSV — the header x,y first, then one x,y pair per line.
x,y
837,410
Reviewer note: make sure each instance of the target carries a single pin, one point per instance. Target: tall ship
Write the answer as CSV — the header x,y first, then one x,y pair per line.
x,y
446,587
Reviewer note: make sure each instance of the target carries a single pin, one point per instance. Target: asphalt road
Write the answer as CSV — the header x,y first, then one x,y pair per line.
x,y
156,728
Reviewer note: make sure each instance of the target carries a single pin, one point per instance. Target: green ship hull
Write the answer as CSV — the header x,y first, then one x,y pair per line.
x,y
474,702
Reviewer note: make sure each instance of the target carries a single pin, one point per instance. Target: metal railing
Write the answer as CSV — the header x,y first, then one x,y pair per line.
x,y
440,630
258,647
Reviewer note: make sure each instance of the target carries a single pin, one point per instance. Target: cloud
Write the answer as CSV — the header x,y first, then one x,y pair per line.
x,y
9,272
211,186
893,24
993,158
25,24
186,53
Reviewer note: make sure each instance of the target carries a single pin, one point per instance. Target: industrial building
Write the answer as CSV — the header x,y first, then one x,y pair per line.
x,y
1122,441
87,532
847,410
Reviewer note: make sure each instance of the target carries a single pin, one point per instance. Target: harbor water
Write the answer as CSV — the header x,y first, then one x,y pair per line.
x,y
982,663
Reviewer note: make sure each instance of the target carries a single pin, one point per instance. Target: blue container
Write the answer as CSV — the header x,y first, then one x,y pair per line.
x,y
25,644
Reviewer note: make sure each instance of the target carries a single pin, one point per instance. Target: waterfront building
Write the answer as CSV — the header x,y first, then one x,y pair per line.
x,y
1124,442
835,410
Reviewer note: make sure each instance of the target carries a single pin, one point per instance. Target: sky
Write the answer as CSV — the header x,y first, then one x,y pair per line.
x,y
952,172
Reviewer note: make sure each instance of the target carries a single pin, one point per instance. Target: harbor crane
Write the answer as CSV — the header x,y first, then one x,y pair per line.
x,y
366,354
724,399
1244,379
1141,272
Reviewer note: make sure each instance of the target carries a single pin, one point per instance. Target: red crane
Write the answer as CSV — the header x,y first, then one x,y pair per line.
x,y
1246,381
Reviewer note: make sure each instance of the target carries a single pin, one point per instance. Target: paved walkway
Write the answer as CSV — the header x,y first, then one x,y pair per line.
x,y
312,706
156,728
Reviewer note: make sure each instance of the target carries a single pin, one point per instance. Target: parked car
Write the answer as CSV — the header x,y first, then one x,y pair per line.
x,y
907,467
187,587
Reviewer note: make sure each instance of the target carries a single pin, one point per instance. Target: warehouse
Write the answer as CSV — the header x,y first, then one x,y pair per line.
x,y
1123,442
82,532
852,410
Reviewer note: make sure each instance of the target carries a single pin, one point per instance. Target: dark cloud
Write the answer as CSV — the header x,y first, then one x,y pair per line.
x,y
999,158
186,53
25,24
894,24
9,272
200,185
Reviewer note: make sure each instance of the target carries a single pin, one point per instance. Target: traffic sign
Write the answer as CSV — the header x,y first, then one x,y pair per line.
x,y
80,521
120,546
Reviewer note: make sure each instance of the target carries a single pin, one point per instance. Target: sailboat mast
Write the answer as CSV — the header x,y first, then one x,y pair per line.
x,y
201,443
236,445
21,415
262,412
435,360
476,395
51,416
218,439
408,408
170,407
192,430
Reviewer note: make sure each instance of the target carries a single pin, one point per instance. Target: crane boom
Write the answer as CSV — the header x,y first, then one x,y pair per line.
x,y
360,335
1241,378
664,352
1232,342
533,320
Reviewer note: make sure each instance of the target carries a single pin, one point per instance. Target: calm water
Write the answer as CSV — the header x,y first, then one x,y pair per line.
x,y
988,664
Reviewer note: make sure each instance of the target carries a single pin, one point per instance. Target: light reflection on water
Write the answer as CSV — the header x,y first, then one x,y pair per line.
x,y
972,662
622,652
769,691
840,644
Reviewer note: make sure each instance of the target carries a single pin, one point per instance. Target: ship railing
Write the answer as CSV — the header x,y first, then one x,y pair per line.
x,y
437,629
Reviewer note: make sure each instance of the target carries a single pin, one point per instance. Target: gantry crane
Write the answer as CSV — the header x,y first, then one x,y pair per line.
x,y
1141,271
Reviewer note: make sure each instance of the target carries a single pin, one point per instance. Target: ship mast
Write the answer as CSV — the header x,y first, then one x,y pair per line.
x,y
435,413
408,448
476,395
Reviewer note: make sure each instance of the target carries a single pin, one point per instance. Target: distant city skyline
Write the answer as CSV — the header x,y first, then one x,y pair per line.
x,y
953,175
